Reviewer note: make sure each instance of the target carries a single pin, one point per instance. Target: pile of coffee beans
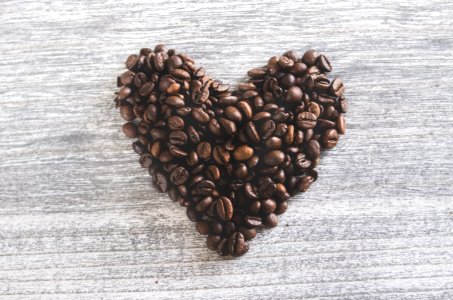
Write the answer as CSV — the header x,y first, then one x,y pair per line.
x,y
232,158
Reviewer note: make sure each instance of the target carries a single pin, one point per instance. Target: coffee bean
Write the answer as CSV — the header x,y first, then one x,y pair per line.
x,y
222,247
252,221
237,245
175,123
271,220
324,63
252,133
341,124
246,109
337,87
132,62
267,188
257,73
204,204
175,101
177,152
213,173
204,150
193,134
224,208
130,130
202,227
306,120
268,206
243,153
213,241
274,157
199,115
294,95
310,57
177,137
233,114
127,112
248,233
161,181
313,149
228,125
330,138
221,155
285,62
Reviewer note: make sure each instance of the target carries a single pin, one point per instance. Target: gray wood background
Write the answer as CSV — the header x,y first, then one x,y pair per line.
x,y
79,219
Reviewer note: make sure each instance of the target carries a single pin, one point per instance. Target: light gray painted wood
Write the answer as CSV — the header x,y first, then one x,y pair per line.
x,y
79,220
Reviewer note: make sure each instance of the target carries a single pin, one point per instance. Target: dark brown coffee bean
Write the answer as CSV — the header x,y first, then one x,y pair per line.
x,y
324,63
285,62
204,150
127,112
294,95
343,105
202,227
175,123
175,101
299,68
193,134
267,188
213,173
224,208
292,54
228,100
337,87
177,137
130,130
192,214
215,127
246,109
204,204
330,138
179,176
306,120
257,72
213,241
132,62
248,233
192,159
242,153
341,124
281,207
174,62
228,125
270,220
200,115
289,136
310,57
268,206
233,114
161,182
274,157
252,133
314,108
222,247
273,143
252,221
237,245
177,152
180,73
221,155
313,149
326,124
204,188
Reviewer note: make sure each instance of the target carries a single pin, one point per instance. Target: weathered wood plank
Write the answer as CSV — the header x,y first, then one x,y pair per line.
x,y
79,220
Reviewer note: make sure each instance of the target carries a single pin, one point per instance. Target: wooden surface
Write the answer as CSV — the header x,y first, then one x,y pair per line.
x,y
79,219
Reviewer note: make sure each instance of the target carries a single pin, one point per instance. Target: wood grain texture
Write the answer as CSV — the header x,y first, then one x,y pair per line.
x,y
79,219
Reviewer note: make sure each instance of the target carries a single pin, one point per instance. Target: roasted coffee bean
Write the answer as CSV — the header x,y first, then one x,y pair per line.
x,y
177,152
228,125
341,124
224,208
177,137
246,109
222,247
337,87
294,95
330,138
271,220
252,133
273,143
233,114
268,206
310,57
252,221
237,245
130,130
175,123
306,120
175,101
161,181
199,115
267,188
313,149
221,155
248,233
204,204
213,241
242,153
179,176
204,150
127,112
213,173
324,63
274,157
202,227
285,62
257,73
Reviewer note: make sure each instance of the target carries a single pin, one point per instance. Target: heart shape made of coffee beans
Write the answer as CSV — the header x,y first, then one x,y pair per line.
x,y
232,158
